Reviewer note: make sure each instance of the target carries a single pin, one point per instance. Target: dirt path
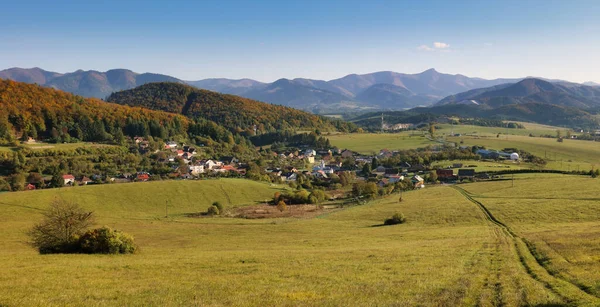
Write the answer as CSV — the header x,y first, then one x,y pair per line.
x,y
570,293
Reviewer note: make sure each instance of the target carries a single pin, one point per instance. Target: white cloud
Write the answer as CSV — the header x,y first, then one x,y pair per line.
x,y
425,48
439,45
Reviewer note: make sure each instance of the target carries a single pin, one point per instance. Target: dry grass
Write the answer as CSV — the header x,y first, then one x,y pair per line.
x,y
447,254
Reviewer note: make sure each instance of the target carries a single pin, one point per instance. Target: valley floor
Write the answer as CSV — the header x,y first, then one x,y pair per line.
x,y
485,244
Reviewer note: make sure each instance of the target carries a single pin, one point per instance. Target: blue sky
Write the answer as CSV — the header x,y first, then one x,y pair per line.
x,y
267,40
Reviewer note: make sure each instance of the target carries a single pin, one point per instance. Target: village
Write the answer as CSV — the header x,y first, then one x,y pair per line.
x,y
385,169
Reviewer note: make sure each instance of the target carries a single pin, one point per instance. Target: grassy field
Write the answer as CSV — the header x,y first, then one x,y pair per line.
x,y
368,143
562,222
568,155
447,254
530,128
484,166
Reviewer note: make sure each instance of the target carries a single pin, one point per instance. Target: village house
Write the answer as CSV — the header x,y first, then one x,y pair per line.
x,y
229,160
143,177
444,174
85,180
30,187
418,182
385,153
68,179
138,139
310,152
466,173
196,169
383,182
347,153
391,172
396,178
379,171
289,176
171,145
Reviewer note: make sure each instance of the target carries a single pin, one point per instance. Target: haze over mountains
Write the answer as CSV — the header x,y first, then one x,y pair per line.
x,y
529,91
85,83
384,90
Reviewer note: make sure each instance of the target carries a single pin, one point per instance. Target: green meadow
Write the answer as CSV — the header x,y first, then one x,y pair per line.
x,y
369,143
567,155
448,253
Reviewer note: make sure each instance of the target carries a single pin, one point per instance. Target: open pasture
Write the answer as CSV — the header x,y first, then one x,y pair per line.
x,y
561,221
447,254
369,143
566,155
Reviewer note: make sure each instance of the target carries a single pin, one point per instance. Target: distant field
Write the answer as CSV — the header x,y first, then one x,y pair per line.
x,y
568,155
530,128
484,166
447,254
373,142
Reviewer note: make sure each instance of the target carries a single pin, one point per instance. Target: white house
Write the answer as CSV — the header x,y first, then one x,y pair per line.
x,y
395,178
68,179
171,144
196,169
310,152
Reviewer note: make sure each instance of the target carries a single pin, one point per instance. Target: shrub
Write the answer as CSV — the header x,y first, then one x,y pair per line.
x,y
397,218
219,206
64,222
106,241
281,206
213,210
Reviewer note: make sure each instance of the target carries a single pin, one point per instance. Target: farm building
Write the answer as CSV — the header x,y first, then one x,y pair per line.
x,y
444,173
467,173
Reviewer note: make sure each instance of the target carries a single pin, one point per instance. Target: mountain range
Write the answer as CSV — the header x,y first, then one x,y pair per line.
x,y
89,83
385,90
529,91
379,90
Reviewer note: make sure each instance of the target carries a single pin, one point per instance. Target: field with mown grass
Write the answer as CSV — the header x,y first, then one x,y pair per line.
x,y
567,155
447,254
558,215
484,166
530,128
369,143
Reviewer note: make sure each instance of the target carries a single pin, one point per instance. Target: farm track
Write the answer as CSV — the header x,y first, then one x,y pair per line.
x,y
526,250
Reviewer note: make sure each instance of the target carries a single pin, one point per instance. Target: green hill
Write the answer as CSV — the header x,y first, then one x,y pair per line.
x,y
233,112
45,113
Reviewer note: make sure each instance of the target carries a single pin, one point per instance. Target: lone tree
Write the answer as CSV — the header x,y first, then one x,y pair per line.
x,y
64,222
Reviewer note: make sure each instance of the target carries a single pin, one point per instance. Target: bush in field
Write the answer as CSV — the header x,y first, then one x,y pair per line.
x,y
397,218
106,241
213,210
64,222
281,206
219,206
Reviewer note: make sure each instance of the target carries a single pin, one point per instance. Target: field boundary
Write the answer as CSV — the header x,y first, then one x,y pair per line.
x,y
525,251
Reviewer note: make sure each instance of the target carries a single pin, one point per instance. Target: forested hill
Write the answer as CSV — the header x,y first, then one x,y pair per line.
x,y
235,113
40,112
